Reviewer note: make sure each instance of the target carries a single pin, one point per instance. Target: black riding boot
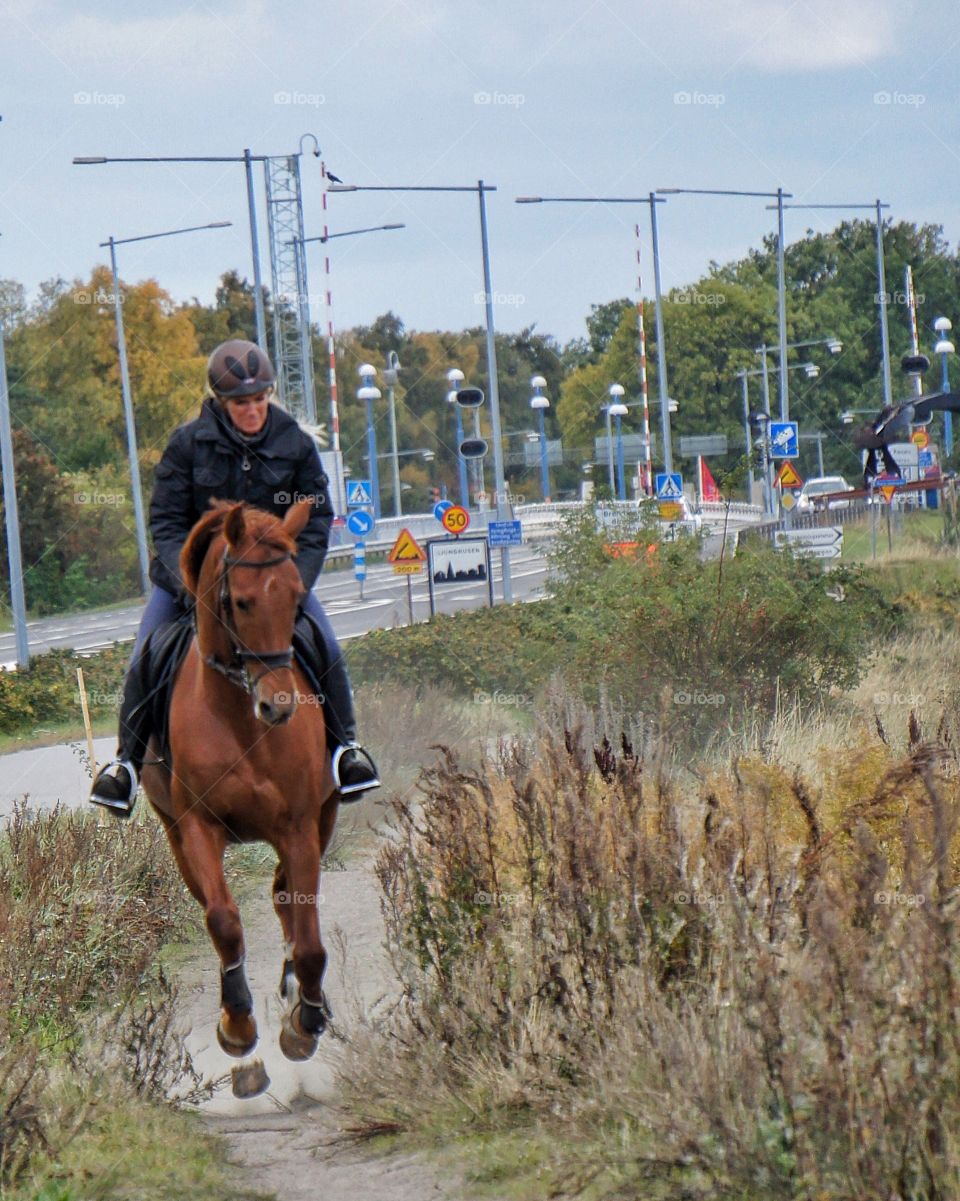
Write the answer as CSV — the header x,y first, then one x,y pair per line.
x,y
116,785
354,772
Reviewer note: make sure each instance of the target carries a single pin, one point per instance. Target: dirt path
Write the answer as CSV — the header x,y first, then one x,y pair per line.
x,y
287,1139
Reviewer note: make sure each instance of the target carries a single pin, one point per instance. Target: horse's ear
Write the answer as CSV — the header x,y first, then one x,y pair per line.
x,y
297,517
197,544
235,527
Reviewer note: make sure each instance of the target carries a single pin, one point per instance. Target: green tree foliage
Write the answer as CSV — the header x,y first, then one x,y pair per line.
x,y
232,315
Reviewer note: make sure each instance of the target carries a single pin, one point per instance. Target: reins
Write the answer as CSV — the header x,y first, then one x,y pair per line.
x,y
268,660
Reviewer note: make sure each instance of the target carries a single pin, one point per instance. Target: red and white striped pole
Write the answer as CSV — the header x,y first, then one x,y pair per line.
x,y
642,347
341,500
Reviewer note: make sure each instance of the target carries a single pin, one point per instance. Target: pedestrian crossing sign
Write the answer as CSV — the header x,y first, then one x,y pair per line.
x,y
669,486
359,494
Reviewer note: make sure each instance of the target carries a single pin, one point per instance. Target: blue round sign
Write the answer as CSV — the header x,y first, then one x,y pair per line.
x,y
441,507
360,523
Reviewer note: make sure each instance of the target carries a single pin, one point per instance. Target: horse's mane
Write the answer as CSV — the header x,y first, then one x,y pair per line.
x,y
259,527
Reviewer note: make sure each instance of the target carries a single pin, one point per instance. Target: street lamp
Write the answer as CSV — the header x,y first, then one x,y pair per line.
x,y
132,455
666,407
369,392
539,403
390,377
944,348
618,410
616,392
455,378
779,195
335,450
480,189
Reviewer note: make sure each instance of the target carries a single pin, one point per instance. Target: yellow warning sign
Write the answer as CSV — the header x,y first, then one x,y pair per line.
x,y
888,491
407,556
670,510
787,476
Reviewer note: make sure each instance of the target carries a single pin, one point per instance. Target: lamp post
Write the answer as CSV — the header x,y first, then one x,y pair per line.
x,y
369,392
616,393
618,410
390,376
779,195
944,348
455,378
652,200
539,403
325,237
132,454
480,189
876,207
11,517
248,160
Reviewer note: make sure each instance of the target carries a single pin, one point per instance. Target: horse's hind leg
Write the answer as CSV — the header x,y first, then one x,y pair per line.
x,y
199,850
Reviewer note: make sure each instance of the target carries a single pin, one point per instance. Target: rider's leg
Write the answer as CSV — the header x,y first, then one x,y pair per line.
x,y
116,784
353,769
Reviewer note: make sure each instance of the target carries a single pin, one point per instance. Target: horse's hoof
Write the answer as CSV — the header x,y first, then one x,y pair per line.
x,y
295,1043
250,1080
237,1049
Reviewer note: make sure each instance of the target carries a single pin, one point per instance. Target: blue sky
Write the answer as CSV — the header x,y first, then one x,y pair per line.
x,y
835,101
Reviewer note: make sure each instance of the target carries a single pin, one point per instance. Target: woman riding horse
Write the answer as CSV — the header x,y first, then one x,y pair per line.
x,y
240,448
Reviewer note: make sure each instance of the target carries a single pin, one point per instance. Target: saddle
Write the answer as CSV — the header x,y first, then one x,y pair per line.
x,y
165,650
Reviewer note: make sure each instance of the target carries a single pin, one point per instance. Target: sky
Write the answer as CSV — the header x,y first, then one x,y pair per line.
x,y
833,100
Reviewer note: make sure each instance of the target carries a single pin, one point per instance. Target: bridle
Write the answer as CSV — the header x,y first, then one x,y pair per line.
x,y
239,672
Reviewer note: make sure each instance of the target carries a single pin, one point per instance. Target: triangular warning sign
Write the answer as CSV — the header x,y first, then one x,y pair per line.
x,y
888,491
787,476
406,549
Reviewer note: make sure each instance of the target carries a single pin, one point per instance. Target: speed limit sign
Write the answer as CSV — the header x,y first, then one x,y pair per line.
x,y
455,520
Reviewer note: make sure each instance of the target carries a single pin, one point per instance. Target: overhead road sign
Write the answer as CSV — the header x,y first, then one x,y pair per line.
x,y
784,440
359,494
707,445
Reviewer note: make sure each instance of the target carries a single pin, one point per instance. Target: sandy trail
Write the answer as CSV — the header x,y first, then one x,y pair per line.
x,y
288,1140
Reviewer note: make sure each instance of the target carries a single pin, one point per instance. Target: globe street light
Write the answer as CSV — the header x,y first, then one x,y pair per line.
x,y
369,392
616,392
455,378
133,457
617,411
944,348
540,404
390,377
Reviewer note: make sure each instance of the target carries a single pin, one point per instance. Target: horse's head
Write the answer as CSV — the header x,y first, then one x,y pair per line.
x,y
238,564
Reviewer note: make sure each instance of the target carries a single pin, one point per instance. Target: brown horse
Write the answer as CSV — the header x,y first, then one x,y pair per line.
x,y
249,764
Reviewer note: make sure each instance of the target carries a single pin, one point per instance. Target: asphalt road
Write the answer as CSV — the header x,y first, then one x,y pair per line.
x,y
384,605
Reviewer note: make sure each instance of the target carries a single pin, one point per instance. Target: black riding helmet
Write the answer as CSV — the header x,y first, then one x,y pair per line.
x,y
239,368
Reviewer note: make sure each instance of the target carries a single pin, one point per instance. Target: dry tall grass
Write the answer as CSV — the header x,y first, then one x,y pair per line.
x,y
742,987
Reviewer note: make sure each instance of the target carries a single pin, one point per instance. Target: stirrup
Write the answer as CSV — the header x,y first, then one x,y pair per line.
x,y
110,796
364,785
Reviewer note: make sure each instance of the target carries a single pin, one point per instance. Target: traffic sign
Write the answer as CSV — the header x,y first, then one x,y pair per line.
x,y
925,458
887,491
441,507
455,520
360,523
669,485
819,542
920,438
505,533
359,493
670,510
787,499
787,477
407,556
784,440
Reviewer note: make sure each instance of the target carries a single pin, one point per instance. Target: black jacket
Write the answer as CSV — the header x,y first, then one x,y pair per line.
x,y
207,459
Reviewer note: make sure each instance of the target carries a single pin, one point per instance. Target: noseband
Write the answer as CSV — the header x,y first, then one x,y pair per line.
x,y
238,672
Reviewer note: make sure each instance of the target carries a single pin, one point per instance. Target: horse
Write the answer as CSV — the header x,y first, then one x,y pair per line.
x,y
248,763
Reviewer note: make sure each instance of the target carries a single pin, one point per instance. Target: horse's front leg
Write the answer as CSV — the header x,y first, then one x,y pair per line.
x,y
310,1013
199,850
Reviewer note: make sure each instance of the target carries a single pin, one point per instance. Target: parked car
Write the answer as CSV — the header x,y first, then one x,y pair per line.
x,y
823,485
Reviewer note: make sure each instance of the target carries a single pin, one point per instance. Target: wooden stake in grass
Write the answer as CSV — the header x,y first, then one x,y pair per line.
x,y
86,720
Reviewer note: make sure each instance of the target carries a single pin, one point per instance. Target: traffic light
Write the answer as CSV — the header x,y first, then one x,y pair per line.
x,y
758,423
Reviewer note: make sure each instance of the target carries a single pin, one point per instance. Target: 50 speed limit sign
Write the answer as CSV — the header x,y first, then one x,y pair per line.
x,y
455,520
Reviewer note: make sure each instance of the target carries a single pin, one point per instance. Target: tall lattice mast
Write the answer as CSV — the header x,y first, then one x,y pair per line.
x,y
288,269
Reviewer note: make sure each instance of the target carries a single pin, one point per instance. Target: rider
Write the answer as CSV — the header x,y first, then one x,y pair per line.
x,y
241,447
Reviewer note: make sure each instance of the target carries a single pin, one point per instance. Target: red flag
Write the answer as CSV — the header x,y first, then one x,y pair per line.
x,y
708,485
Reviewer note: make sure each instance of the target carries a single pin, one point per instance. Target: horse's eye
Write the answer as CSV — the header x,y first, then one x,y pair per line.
x,y
242,605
